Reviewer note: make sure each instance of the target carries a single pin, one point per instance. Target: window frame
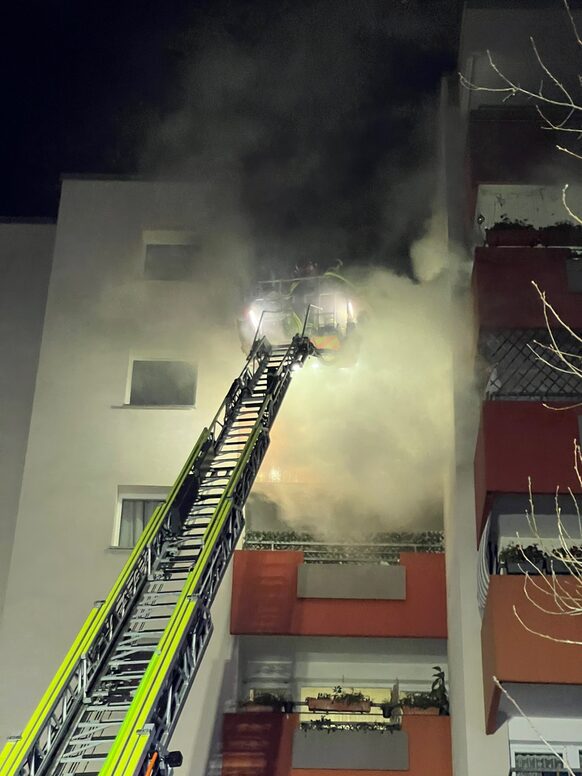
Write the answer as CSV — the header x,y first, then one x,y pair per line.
x,y
172,360
168,237
124,493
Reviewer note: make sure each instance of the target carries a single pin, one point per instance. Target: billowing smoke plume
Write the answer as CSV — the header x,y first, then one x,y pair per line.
x,y
317,120
363,449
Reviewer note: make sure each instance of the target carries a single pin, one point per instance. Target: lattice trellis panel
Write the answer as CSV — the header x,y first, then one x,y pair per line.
x,y
512,370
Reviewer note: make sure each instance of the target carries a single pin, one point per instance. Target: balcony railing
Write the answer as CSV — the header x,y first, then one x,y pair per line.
x,y
543,772
382,548
513,372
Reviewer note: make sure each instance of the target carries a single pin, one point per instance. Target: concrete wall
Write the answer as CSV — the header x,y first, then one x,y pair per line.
x,y
474,752
26,251
84,443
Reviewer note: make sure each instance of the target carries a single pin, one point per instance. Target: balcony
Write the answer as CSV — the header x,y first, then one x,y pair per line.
x,y
543,675
271,744
274,592
518,440
503,293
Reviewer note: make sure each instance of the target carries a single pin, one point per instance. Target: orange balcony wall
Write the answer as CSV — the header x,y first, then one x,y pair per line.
x,y
515,655
518,440
261,745
264,601
503,293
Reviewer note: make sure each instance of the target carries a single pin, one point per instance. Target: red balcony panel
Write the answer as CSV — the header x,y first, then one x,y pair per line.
x,y
261,745
520,439
513,654
258,744
503,293
264,601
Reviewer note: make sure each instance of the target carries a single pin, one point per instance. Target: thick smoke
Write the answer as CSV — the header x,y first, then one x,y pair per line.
x,y
320,117
317,121
366,446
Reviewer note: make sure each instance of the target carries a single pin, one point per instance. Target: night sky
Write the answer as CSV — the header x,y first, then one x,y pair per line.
x,y
321,113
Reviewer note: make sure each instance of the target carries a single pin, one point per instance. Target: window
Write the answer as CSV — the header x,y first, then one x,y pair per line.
x,y
169,262
163,384
133,518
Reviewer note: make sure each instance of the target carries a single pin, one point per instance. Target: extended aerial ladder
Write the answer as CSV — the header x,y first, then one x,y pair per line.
x,y
114,702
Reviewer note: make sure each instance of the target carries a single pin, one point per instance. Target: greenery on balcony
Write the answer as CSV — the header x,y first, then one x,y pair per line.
x,y
337,726
373,548
531,559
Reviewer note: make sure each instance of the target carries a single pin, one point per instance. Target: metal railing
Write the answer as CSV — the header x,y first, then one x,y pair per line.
x,y
515,373
380,550
543,772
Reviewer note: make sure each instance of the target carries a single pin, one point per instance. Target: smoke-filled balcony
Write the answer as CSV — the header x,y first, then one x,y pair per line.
x,y
519,365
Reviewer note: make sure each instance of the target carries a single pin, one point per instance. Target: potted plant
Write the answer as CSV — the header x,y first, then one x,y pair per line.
x,y
438,690
340,701
564,560
517,559
419,703
514,233
434,702
557,561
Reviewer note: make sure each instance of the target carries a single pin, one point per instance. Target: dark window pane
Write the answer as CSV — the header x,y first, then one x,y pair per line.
x,y
163,383
169,262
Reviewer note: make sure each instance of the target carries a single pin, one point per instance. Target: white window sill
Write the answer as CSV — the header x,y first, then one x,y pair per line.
x,y
153,407
115,548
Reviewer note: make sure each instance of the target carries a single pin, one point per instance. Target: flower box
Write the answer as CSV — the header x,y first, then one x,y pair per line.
x,y
342,706
430,711
512,236
524,566
561,235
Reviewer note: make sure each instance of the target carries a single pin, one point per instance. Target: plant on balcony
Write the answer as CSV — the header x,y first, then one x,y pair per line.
x,y
564,560
561,233
517,559
438,690
505,223
434,701
512,232
341,701
268,701
337,726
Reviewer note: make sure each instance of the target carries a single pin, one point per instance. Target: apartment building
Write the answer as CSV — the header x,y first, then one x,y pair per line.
x,y
326,657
